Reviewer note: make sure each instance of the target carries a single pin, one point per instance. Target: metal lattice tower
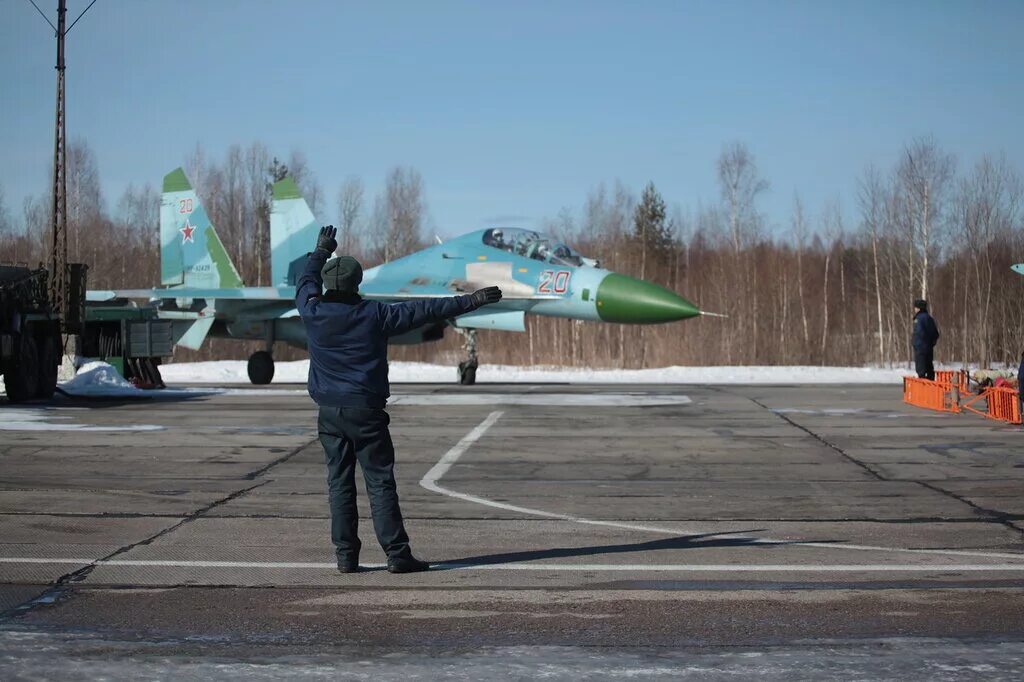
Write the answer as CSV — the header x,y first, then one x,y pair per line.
x,y
59,249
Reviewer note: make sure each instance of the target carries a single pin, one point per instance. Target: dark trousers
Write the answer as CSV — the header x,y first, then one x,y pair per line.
x,y
351,434
924,364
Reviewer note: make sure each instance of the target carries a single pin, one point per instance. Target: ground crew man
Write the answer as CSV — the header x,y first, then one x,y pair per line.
x,y
348,378
926,335
1020,386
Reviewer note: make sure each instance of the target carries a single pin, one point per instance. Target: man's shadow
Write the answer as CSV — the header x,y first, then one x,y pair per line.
x,y
695,541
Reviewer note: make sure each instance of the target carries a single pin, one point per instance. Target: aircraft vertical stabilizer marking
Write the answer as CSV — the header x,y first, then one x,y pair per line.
x,y
191,253
293,228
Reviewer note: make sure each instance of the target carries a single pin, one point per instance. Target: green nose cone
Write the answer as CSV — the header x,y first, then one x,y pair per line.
x,y
633,301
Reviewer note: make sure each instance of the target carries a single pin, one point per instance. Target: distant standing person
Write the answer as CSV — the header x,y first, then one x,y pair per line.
x,y
1020,386
926,335
348,378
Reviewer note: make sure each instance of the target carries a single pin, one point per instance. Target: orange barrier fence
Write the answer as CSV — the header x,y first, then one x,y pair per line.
x,y
949,394
1002,403
932,395
953,376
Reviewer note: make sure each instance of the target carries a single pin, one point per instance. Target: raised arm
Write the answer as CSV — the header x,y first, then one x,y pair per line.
x,y
398,318
311,284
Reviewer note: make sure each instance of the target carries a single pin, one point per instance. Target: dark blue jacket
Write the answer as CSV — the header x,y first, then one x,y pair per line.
x,y
347,337
926,333
1020,376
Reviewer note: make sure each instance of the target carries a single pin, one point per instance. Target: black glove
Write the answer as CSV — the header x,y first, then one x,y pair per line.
x,y
326,241
486,296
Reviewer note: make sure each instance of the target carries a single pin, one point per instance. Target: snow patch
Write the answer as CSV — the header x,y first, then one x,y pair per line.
x,y
99,379
234,371
30,419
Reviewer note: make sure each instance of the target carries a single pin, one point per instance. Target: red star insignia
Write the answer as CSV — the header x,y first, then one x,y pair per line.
x,y
186,232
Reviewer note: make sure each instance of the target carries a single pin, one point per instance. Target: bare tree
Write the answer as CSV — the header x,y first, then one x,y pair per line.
x,y
85,198
350,212
229,208
872,197
740,185
832,228
403,211
5,216
257,163
800,232
196,165
298,168
987,208
924,175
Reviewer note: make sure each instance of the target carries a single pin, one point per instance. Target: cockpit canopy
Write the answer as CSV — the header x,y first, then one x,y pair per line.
x,y
530,244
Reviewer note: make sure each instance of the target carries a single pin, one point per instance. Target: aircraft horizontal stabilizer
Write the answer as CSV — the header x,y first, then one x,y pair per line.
x,y
243,293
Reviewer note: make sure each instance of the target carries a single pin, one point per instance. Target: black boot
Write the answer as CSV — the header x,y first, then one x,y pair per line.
x,y
348,564
407,564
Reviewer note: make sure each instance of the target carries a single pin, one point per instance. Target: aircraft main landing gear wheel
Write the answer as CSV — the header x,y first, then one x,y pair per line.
x,y
261,367
467,373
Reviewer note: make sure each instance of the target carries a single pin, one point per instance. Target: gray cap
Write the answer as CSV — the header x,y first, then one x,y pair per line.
x,y
343,273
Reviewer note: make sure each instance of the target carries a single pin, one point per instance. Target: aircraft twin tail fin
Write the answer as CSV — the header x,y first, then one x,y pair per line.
x,y
191,253
293,232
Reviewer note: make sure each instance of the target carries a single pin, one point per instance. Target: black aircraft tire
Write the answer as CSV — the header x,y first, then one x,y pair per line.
x,y
48,367
261,367
21,378
467,375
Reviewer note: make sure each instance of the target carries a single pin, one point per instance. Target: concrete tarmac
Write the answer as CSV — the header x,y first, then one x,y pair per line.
x,y
600,531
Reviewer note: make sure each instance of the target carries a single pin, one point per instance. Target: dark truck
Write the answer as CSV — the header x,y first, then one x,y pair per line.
x,y
30,334
130,338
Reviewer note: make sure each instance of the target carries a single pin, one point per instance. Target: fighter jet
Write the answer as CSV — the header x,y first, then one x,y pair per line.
x,y
204,294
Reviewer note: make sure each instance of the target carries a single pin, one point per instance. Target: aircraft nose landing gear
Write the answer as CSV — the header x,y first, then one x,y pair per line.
x,y
467,368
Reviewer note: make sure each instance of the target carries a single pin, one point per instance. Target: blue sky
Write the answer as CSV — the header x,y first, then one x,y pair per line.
x,y
519,108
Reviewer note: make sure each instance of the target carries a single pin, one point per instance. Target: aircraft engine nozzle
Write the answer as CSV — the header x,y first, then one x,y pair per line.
x,y
634,301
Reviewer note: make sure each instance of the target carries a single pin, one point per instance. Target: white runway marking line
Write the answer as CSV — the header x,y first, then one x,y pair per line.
x,y
544,399
431,478
674,568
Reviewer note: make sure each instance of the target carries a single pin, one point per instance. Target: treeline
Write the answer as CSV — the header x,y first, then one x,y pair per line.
x,y
815,291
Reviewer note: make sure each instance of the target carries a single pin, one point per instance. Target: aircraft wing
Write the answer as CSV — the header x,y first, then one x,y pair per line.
x,y
240,293
286,294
